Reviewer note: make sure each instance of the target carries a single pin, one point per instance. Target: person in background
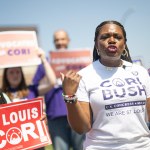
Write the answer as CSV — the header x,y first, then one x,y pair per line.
x,y
63,137
61,40
109,99
15,87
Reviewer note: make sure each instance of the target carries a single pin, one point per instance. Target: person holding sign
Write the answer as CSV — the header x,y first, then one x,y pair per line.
x,y
108,100
14,85
63,137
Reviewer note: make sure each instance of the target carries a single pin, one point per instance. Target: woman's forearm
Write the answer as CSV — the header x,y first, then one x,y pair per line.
x,y
49,72
79,116
44,87
79,113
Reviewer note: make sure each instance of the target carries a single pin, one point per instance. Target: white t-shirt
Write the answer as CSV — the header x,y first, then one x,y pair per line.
x,y
117,97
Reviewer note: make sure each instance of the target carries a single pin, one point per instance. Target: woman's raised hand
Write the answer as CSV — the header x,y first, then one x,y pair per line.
x,y
70,82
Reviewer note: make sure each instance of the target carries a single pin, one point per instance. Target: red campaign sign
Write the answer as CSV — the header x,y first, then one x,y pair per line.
x,y
21,127
64,60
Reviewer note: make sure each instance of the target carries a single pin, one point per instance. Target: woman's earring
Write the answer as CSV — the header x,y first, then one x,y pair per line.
x,y
97,52
125,53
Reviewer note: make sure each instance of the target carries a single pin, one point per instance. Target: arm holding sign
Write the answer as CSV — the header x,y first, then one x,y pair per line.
x,y
50,75
14,84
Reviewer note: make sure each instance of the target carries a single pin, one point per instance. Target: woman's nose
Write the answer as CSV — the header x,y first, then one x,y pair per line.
x,y
111,40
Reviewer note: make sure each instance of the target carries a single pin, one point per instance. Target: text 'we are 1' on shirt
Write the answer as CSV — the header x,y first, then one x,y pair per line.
x,y
117,97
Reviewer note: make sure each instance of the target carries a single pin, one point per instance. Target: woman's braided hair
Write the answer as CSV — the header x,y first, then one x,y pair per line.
x,y
124,57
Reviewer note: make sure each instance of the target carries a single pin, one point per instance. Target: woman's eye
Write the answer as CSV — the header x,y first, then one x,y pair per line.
x,y
103,37
106,36
118,37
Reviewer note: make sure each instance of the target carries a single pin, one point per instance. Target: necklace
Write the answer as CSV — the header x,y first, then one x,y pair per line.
x,y
111,68
15,94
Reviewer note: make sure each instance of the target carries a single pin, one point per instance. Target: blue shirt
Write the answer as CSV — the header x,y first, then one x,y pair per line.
x,y
33,91
55,105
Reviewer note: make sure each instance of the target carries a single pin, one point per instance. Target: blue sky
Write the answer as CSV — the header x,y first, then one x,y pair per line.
x,y
80,18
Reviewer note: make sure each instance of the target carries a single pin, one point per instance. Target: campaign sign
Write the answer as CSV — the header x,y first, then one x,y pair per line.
x,y
64,60
21,127
18,48
138,60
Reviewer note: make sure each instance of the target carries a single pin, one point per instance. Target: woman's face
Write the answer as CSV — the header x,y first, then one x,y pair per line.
x,y
110,42
14,76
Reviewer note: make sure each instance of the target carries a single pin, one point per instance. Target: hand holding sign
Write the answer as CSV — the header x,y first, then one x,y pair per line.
x,y
40,53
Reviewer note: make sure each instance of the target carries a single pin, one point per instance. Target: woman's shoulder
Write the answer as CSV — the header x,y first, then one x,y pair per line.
x,y
135,67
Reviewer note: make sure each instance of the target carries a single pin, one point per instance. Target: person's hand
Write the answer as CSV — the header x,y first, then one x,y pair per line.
x,y
70,82
41,53
44,118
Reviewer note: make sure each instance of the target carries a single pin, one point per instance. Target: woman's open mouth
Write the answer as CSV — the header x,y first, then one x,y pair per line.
x,y
112,49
